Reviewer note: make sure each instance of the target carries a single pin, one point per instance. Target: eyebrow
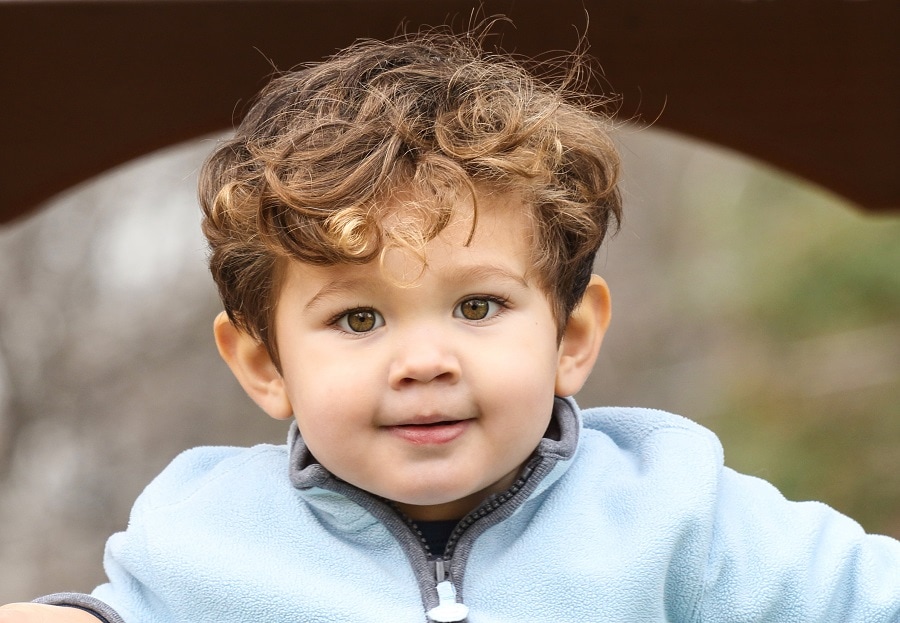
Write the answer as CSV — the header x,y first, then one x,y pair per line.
x,y
485,272
455,276
339,286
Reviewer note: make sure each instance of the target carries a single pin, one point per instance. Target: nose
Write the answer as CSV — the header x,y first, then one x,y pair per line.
x,y
424,357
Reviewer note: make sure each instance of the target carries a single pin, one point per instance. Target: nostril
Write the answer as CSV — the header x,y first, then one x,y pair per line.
x,y
438,370
443,377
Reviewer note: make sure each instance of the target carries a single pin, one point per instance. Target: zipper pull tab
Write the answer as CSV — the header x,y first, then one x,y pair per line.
x,y
447,611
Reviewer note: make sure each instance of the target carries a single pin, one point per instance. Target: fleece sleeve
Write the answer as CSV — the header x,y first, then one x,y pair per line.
x,y
775,560
134,557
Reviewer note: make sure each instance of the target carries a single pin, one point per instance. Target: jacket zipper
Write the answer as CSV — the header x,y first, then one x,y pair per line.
x,y
448,609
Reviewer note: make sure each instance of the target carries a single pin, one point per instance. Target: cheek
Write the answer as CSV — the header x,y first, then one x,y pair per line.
x,y
333,425
338,400
522,376
324,370
529,353
330,397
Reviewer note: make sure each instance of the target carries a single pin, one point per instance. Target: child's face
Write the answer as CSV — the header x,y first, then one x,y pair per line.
x,y
430,394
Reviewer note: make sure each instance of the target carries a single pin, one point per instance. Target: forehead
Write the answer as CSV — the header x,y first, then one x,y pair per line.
x,y
469,206
490,219
490,234
487,226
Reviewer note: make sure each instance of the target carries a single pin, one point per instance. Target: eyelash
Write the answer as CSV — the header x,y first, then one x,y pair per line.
x,y
503,302
337,321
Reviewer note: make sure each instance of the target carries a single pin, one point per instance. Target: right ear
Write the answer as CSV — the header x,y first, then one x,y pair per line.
x,y
252,366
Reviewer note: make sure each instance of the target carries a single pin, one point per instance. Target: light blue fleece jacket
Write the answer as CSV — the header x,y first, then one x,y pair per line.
x,y
621,515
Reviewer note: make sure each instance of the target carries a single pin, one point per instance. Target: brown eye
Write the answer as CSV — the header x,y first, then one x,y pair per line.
x,y
475,309
361,321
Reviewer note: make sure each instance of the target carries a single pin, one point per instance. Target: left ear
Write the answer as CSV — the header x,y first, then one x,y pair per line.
x,y
254,369
582,338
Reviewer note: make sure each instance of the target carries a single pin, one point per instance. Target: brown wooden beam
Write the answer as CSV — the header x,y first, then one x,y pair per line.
x,y
812,87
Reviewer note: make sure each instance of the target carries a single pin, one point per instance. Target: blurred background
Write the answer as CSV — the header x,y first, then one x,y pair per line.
x,y
748,300
745,297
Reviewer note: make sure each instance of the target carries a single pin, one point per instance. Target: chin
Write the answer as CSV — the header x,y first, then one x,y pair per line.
x,y
430,497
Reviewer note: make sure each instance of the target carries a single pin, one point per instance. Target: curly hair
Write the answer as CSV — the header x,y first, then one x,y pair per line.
x,y
311,170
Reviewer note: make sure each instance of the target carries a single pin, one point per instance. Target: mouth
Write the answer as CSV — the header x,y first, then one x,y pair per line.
x,y
430,431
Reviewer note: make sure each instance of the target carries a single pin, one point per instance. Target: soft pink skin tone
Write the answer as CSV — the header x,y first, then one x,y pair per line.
x,y
429,408
38,613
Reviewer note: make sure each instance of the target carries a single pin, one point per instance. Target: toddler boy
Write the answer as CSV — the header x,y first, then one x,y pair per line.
x,y
402,237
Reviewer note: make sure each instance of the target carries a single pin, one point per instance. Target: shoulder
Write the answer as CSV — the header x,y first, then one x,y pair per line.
x,y
648,432
739,549
654,473
206,472
663,472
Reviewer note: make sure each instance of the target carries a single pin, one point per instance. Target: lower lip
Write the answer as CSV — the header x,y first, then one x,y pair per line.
x,y
434,434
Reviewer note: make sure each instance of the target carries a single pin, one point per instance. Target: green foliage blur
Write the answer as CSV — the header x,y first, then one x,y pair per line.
x,y
809,289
